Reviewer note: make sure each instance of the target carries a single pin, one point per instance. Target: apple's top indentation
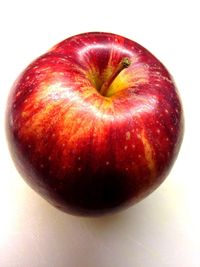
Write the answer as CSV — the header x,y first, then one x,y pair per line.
x,y
124,63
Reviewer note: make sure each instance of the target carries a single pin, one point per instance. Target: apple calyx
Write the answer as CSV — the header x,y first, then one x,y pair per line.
x,y
124,63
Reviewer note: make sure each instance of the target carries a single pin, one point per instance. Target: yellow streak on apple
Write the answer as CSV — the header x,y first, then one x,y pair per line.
x,y
120,83
57,92
94,76
148,151
127,79
107,72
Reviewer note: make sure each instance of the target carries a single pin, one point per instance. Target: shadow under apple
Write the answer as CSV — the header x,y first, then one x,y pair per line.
x,y
68,240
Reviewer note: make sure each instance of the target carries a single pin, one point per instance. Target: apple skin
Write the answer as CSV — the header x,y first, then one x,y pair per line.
x,y
86,153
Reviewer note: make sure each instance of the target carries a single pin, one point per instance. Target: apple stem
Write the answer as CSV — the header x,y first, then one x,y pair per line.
x,y
124,63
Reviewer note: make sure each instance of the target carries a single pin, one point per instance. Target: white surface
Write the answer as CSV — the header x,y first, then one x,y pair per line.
x,y
162,230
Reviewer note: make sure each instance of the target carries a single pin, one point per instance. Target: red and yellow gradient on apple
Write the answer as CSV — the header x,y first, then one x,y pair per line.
x,y
90,134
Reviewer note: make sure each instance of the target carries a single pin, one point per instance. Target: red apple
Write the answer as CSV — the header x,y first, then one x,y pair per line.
x,y
95,124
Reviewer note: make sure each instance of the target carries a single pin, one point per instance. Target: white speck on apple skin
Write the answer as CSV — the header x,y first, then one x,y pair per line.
x,y
138,136
133,146
18,93
128,135
29,146
62,73
126,169
158,131
49,158
166,111
139,156
107,162
44,59
79,158
79,169
167,139
167,79
125,147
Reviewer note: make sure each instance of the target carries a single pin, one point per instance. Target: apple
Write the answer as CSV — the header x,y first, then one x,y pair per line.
x,y
95,124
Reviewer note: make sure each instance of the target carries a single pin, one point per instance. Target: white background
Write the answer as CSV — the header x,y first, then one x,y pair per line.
x,y
162,230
